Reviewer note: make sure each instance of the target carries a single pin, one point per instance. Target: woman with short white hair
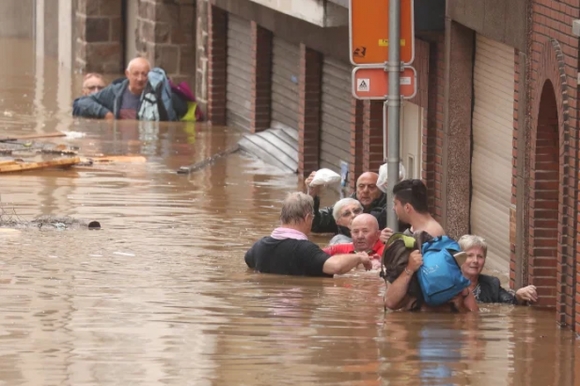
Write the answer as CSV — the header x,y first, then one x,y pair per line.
x,y
343,212
485,288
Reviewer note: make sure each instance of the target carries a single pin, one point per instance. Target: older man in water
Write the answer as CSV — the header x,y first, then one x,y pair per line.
x,y
120,100
365,233
287,251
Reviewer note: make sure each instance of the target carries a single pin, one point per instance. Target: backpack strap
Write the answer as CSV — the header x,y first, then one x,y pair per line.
x,y
409,241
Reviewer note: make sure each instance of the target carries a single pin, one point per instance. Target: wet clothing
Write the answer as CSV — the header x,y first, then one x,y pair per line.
x,y
338,249
489,290
325,223
287,257
129,105
111,99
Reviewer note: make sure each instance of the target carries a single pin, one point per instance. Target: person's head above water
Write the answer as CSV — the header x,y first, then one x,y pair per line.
x,y
93,83
137,72
365,232
297,212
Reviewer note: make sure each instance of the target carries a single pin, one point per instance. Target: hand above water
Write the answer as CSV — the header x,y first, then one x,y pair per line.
x,y
415,261
386,235
365,260
527,294
312,190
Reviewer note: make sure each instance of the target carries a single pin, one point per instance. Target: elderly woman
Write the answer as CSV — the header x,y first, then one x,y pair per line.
x,y
487,289
343,212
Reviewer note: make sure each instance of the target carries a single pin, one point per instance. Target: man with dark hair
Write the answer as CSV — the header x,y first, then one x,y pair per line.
x,y
410,206
287,251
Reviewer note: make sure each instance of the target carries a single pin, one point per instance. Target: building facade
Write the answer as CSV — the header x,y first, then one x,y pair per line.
x,y
492,130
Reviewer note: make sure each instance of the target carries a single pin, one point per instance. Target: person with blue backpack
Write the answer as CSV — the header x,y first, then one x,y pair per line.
x,y
421,271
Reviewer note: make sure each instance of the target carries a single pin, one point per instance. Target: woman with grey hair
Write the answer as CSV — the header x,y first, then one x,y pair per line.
x,y
343,212
485,288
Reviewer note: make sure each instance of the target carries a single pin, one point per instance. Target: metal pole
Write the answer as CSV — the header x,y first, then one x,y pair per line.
x,y
393,104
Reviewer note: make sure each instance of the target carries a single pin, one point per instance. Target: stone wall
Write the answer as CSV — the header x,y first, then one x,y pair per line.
x,y
99,36
166,36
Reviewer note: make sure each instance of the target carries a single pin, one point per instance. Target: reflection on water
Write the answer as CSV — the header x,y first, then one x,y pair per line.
x,y
161,295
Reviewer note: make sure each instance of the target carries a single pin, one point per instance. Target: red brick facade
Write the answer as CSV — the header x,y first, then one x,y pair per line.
x,y
262,82
553,160
310,84
544,234
217,65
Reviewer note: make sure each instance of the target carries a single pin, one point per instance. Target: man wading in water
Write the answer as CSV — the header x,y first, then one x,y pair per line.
x,y
410,205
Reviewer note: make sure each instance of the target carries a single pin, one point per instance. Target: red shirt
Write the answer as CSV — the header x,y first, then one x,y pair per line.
x,y
338,249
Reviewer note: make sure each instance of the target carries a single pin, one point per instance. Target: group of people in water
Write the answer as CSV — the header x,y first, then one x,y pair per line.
x,y
361,237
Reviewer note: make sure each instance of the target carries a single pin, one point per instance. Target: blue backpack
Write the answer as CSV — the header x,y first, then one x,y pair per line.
x,y
440,276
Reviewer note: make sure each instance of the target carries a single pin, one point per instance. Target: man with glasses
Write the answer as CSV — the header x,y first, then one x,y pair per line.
x,y
93,83
287,251
372,199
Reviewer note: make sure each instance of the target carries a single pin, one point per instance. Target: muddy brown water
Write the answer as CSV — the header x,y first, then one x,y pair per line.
x,y
161,294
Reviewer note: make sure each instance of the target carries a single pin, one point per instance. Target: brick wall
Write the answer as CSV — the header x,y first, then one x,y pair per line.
x,y
99,36
262,80
166,36
372,136
217,65
310,86
553,57
356,142
433,133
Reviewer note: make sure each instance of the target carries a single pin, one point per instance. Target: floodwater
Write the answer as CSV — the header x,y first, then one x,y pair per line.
x,y
161,295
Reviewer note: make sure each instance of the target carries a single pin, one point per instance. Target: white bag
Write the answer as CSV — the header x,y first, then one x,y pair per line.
x,y
383,171
325,177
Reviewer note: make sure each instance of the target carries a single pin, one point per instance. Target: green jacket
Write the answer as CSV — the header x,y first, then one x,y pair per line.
x,y
324,222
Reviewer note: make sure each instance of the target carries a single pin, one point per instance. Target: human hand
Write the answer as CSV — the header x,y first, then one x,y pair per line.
x,y
109,116
527,294
365,260
312,190
385,235
415,261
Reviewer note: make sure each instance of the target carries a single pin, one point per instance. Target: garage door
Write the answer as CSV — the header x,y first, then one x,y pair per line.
x,y
491,166
285,75
239,75
336,110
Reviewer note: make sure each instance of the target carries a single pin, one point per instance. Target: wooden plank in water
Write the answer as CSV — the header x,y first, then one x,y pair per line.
x,y
23,166
120,158
32,136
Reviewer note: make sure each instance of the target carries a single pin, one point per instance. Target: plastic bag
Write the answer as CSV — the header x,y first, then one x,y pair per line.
x,y
383,171
325,177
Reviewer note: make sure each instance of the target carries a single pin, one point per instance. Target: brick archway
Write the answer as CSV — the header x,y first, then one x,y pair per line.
x,y
550,264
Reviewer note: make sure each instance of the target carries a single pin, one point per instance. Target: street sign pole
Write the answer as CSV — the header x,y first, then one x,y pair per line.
x,y
393,104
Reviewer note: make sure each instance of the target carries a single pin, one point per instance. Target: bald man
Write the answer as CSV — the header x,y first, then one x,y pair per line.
x,y
120,100
365,232
367,193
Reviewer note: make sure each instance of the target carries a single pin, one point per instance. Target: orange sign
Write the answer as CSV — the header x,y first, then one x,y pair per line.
x,y
369,31
373,83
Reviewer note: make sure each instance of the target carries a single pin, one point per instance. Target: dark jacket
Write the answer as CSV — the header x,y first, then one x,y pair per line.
x,y
99,104
492,292
325,223
110,99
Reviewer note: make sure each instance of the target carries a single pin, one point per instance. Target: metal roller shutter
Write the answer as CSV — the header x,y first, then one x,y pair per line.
x,y
285,75
336,110
491,168
239,73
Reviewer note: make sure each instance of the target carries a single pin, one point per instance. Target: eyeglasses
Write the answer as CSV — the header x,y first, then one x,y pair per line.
x,y
349,213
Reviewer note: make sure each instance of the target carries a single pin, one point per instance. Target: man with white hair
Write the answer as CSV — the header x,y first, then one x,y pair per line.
x,y
343,212
122,100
